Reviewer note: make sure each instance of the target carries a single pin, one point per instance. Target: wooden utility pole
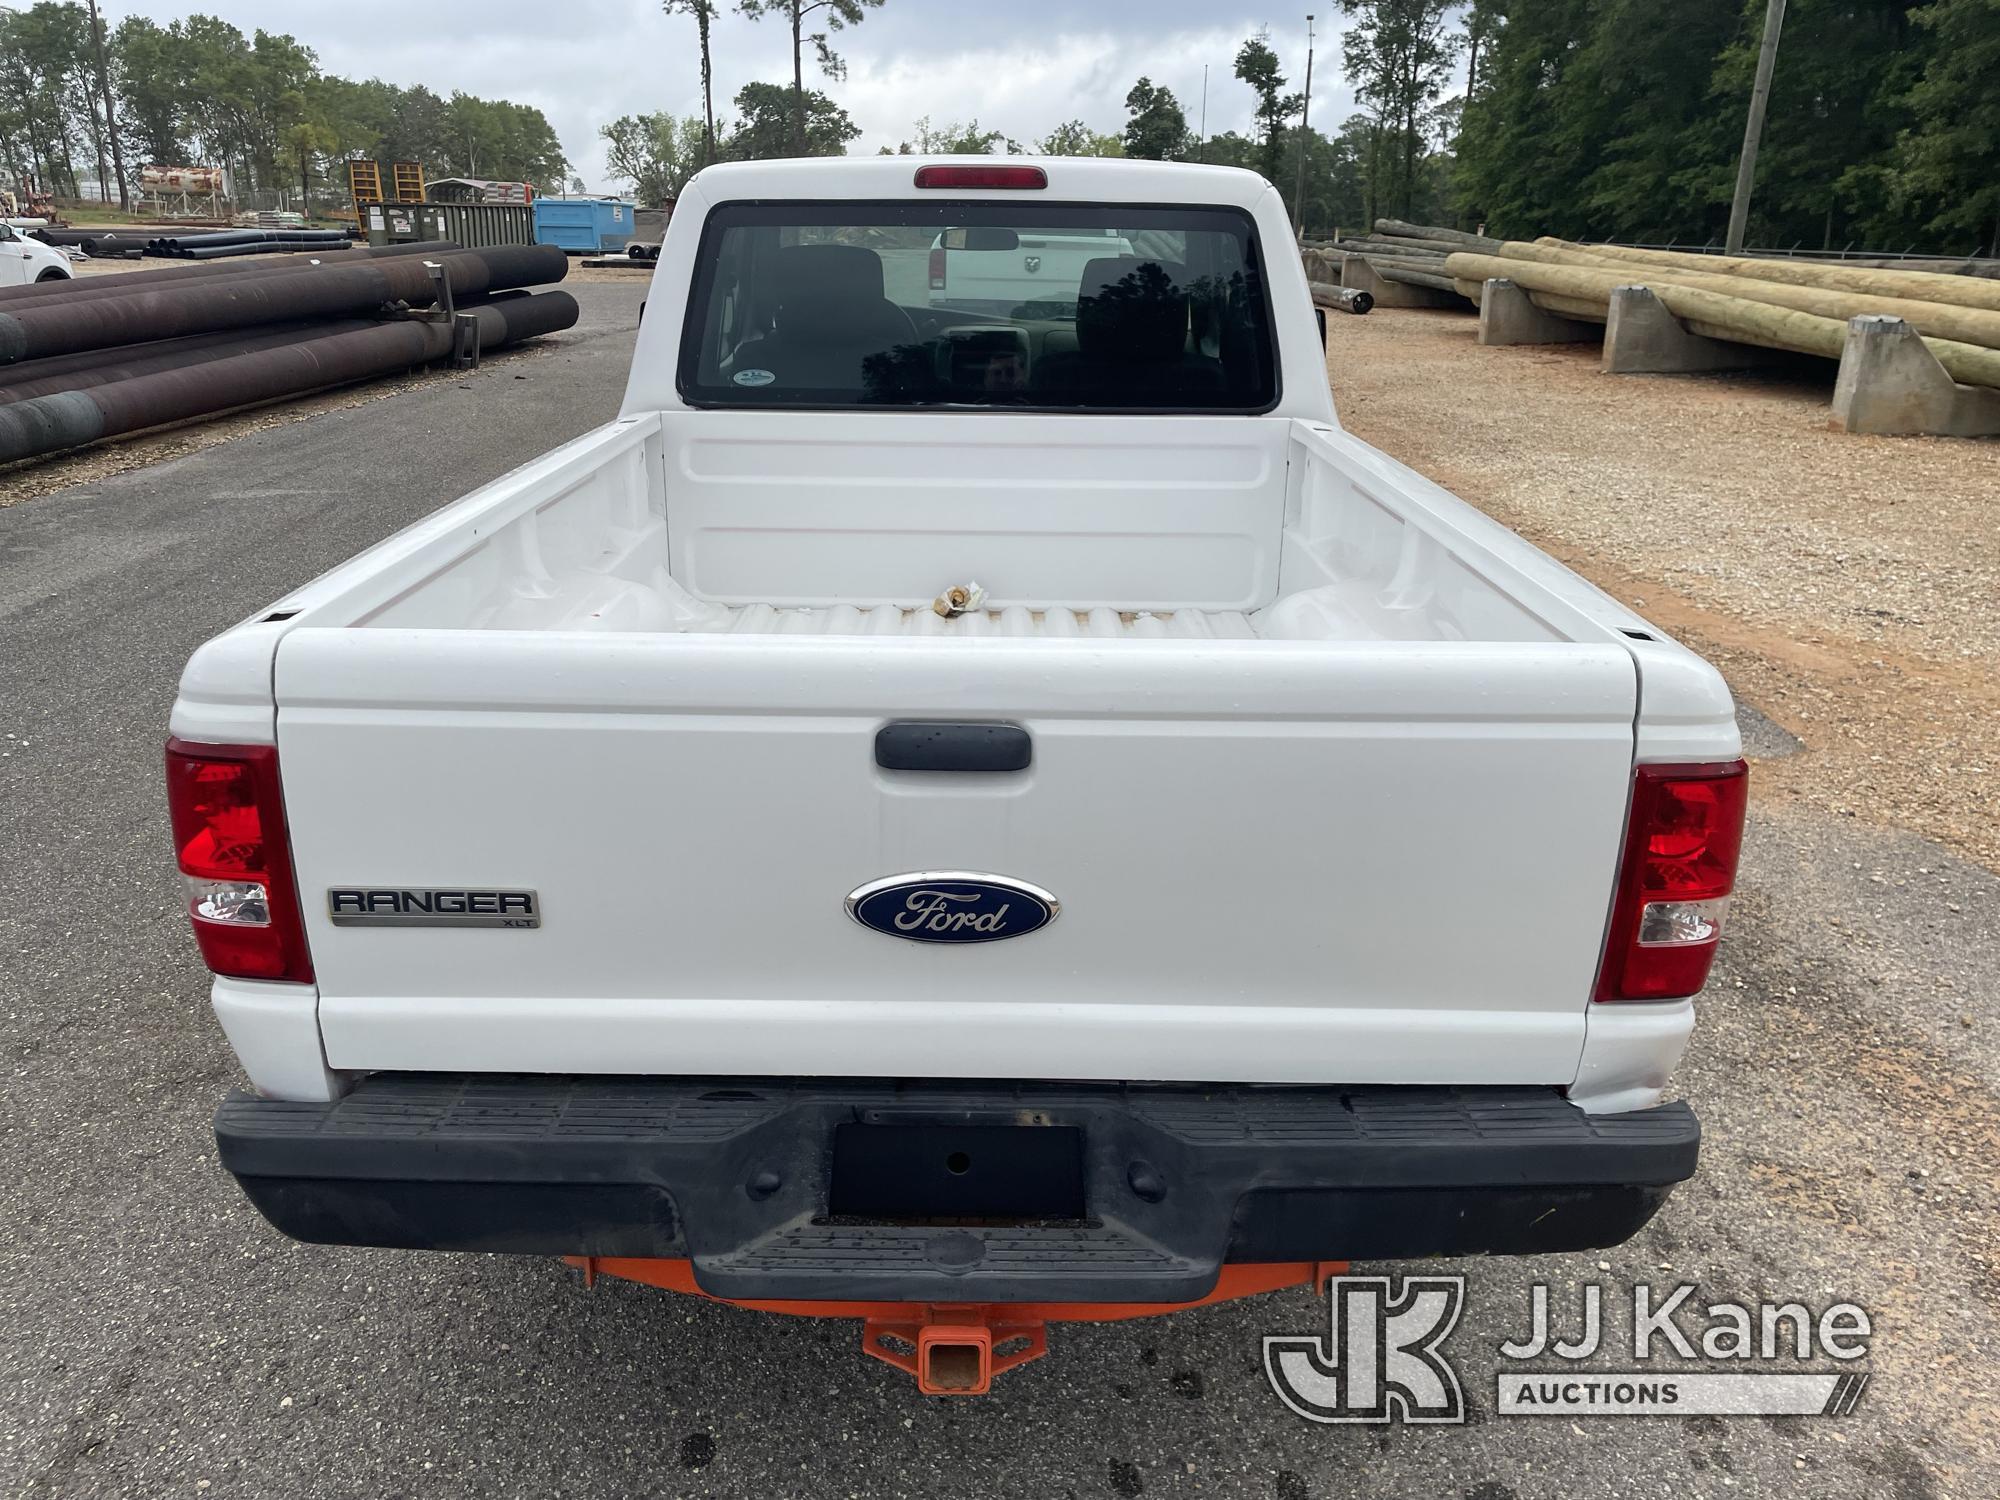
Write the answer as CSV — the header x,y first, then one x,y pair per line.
x,y
1305,139
110,119
1753,128
798,87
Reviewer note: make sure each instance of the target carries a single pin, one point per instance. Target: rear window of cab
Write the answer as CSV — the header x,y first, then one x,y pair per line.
x,y
979,305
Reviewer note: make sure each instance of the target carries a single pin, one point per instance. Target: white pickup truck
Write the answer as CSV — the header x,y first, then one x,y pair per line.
x,y
927,808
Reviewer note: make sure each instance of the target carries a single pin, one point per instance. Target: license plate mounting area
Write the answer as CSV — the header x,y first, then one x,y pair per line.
x,y
956,1172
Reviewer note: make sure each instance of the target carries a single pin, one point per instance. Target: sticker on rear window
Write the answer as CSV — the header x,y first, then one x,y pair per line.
x,y
754,377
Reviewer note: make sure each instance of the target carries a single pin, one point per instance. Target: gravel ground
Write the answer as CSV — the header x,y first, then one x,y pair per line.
x,y
1847,585
156,1338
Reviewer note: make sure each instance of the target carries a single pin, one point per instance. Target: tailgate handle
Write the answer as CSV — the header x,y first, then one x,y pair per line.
x,y
923,745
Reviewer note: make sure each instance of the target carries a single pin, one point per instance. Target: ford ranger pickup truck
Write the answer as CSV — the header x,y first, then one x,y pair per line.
x,y
958,819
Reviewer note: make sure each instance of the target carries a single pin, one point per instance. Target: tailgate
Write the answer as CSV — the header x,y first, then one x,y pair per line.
x,y
1275,861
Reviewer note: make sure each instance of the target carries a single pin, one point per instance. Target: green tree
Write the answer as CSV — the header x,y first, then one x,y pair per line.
x,y
1399,56
1230,149
1531,133
1074,138
1483,20
152,86
305,140
199,92
1835,104
764,128
1334,188
45,72
267,91
494,138
951,139
418,129
840,14
1951,155
1157,129
656,153
1257,65
1622,119
703,12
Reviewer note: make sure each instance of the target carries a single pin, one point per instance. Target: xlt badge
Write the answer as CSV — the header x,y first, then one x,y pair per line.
x,y
401,906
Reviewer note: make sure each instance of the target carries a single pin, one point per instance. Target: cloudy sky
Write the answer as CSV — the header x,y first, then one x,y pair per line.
x,y
1021,66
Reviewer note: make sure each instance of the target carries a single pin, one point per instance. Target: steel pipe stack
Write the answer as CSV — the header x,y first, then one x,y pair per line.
x,y
123,285
164,310
83,361
214,244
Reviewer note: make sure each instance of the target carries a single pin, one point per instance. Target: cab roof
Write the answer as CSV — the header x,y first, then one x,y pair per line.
x,y
1071,179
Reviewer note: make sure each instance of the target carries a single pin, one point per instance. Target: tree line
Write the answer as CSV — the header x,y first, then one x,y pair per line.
x,y
1365,168
198,92
658,152
1601,119
1610,119
1624,120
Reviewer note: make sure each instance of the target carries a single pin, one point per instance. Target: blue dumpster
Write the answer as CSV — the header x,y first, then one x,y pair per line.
x,y
586,226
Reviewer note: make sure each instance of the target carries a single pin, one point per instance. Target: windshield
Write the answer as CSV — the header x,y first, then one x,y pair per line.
x,y
916,304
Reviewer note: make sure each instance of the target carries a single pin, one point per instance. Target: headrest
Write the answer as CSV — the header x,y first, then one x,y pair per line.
x,y
829,293
1130,307
828,271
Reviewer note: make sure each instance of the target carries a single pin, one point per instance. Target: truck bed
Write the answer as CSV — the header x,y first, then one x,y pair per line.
x,y
1320,539
1016,622
1272,813
1324,775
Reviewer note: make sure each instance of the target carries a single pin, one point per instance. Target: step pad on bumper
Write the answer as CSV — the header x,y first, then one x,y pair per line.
x,y
737,1175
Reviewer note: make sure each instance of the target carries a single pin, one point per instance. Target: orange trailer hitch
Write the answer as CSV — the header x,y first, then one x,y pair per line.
x,y
955,1349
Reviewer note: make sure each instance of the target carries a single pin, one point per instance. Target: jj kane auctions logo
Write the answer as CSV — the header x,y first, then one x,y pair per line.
x,y
1382,1358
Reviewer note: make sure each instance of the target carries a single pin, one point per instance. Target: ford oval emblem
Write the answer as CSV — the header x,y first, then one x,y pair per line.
x,y
952,906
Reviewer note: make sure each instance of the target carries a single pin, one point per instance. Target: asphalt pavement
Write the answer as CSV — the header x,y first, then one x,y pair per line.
x,y
157,1338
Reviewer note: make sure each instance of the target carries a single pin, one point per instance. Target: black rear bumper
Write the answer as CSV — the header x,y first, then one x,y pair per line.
x,y
952,1191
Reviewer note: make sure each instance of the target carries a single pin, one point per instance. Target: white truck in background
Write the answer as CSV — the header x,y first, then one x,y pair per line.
x,y
933,807
998,268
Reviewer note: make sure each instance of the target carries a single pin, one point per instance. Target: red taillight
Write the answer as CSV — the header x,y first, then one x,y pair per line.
x,y
982,177
1681,847
937,269
229,836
